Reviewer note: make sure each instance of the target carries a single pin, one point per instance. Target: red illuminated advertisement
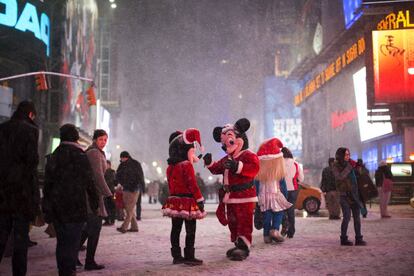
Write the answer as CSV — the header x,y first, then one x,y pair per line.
x,y
393,64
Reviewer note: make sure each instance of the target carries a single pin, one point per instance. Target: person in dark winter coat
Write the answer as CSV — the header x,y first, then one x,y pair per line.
x,y
92,231
131,177
382,174
347,186
19,191
68,183
110,178
363,177
329,188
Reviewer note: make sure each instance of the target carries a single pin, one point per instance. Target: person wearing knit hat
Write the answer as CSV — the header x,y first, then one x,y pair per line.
x,y
238,167
271,188
131,177
185,203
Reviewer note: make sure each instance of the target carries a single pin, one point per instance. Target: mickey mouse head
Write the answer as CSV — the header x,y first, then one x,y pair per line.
x,y
233,137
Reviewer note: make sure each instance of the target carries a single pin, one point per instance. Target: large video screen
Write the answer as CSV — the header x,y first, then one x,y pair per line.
x,y
401,169
393,66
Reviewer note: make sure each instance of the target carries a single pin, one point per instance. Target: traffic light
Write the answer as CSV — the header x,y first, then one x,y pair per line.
x,y
90,96
41,83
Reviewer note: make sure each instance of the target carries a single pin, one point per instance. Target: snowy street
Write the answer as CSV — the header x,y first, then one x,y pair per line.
x,y
314,250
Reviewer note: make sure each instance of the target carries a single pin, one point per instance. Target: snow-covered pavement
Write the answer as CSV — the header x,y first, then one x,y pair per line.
x,y
314,250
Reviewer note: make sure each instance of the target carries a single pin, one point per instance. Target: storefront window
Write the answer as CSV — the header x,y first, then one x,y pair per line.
x,y
392,150
370,158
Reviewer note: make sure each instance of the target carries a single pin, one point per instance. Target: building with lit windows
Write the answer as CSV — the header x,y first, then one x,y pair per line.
x,y
356,83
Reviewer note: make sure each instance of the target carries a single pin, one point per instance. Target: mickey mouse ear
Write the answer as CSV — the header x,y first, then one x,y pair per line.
x,y
242,125
217,134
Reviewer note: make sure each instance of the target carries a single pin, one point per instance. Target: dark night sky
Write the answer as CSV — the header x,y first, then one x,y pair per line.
x,y
180,64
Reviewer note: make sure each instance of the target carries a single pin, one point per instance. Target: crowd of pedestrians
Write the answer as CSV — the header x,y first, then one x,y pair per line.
x,y
81,190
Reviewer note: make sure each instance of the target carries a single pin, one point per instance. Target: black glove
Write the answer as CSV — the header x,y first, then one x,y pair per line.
x,y
232,165
207,159
201,205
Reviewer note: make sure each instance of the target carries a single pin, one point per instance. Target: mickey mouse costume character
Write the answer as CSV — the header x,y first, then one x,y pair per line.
x,y
238,167
185,203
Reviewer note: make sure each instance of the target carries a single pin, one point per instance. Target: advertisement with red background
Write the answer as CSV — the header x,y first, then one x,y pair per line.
x,y
393,66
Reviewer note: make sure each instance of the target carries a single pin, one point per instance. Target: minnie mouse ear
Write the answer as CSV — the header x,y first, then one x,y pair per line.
x,y
242,125
173,135
217,134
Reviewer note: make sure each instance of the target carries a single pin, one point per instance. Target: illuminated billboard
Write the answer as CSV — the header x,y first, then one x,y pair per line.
x,y
352,11
367,130
282,119
29,20
393,66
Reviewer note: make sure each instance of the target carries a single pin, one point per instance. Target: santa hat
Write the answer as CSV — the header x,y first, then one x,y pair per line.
x,y
270,149
192,136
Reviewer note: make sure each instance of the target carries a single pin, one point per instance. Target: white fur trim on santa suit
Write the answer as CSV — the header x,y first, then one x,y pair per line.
x,y
239,167
200,199
167,212
246,241
270,156
226,177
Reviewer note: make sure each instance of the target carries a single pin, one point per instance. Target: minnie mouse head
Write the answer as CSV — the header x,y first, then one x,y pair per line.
x,y
233,137
183,146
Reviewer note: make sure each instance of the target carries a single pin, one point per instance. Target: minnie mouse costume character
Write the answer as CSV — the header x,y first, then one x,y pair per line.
x,y
238,168
185,203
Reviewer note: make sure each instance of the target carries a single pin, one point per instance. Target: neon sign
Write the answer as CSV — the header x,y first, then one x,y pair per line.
x,y
339,119
396,21
333,68
28,20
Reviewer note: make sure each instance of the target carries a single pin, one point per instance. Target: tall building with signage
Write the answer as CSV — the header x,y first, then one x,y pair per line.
x,y
357,91
61,37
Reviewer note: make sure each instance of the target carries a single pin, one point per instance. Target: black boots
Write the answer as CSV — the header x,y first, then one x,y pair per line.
x,y
240,252
345,241
176,254
360,242
189,258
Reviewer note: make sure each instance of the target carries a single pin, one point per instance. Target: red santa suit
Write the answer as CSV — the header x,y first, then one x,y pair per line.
x,y
241,198
184,192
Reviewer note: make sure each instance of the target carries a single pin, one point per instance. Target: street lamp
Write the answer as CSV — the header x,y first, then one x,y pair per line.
x,y
159,170
111,1
113,5
154,163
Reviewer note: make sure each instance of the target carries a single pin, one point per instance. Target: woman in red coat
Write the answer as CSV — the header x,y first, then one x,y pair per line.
x,y
185,203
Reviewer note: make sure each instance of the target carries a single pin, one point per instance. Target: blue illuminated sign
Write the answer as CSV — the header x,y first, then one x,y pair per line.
x,y
352,11
27,21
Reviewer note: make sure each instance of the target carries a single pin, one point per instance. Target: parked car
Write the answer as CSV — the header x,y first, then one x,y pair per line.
x,y
309,198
